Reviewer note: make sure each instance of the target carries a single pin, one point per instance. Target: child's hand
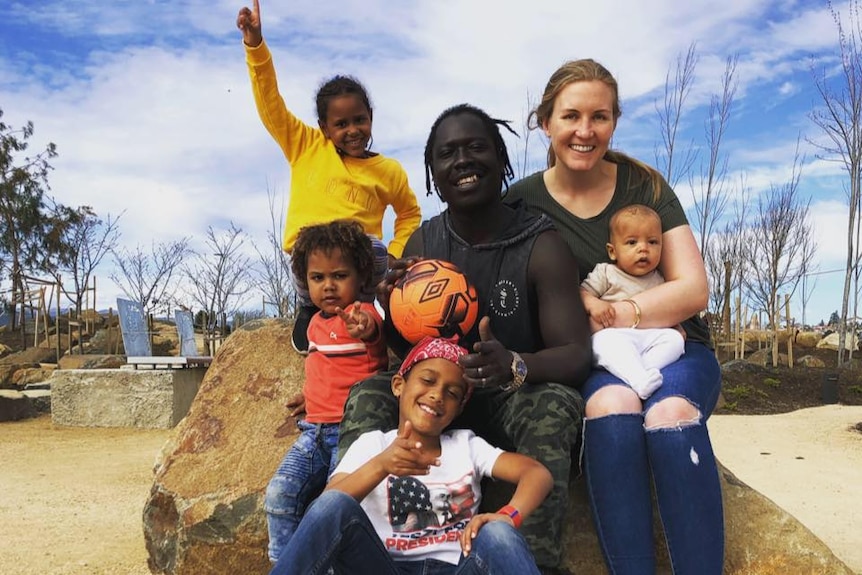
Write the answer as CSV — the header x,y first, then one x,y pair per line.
x,y
358,322
405,457
472,530
595,326
248,21
396,271
602,312
296,405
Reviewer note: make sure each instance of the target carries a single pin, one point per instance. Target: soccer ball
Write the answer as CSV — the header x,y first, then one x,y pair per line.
x,y
435,299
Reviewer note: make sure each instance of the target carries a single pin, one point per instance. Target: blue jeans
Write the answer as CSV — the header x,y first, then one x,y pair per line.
x,y
337,533
620,456
299,479
368,293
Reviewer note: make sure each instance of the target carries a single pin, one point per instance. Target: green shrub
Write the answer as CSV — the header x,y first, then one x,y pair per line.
x,y
737,392
772,382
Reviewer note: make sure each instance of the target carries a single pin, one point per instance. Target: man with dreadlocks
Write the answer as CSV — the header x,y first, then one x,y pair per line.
x,y
531,349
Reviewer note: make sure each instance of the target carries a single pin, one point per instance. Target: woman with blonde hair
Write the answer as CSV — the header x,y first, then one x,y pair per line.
x,y
629,441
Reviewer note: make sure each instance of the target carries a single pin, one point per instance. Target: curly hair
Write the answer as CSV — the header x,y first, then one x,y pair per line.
x,y
344,235
493,127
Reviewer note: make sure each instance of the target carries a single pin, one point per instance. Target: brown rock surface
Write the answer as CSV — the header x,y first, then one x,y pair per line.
x,y
204,514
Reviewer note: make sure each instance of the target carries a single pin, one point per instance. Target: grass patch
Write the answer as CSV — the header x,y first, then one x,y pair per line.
x,y
855,389
772,382
736,393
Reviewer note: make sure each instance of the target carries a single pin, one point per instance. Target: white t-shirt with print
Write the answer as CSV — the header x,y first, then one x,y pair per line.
x,y
422,517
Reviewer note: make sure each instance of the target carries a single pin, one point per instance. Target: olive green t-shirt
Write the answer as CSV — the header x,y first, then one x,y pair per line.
x,y
587,237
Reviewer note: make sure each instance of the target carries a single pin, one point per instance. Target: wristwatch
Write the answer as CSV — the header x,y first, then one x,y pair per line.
x,y
519,373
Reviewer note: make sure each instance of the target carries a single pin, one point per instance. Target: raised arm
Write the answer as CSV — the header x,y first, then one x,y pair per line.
x,y
684,293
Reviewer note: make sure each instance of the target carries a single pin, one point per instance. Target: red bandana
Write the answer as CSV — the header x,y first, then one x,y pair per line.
x,y
431,347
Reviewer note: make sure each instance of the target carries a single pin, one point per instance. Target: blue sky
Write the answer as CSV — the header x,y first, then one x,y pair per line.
x,y
149,102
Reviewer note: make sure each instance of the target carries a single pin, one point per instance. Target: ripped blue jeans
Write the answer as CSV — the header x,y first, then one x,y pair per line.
x,y
622,458
298,481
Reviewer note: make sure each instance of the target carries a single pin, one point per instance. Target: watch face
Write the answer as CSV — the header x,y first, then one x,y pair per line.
x,y
519,369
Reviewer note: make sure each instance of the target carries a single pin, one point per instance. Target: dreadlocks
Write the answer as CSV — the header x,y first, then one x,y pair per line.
x,y
493,127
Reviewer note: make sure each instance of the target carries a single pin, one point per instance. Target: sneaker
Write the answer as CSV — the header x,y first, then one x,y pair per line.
x,y
299,338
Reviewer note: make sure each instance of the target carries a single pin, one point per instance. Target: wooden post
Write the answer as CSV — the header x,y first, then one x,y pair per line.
x,y
725,310
789,331
57,322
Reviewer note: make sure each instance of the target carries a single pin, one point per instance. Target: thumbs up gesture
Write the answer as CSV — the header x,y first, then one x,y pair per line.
x,y
490,364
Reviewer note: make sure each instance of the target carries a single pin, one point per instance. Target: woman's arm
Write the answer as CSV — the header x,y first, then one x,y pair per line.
x,y
684,292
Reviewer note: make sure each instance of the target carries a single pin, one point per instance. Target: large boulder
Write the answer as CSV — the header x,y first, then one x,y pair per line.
x,y
205,510
831,341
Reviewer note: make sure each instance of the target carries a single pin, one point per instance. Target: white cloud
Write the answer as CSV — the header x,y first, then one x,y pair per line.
x,y
150,107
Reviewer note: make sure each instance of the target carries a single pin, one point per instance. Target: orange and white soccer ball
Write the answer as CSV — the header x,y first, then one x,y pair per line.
x,y
433,298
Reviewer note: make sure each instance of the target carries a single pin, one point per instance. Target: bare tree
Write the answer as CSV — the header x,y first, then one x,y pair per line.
x,y
840,119
676,92
726,259
273,277
220,278
781,247
807,290
524,166
90,239
709,192
148,277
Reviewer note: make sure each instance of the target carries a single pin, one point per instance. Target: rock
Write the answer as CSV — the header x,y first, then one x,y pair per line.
x,y
41,399
31,355
205,509
8,371
95,361
5,349
204,515
831,342
763,357
14,405
806,339
26,375
810,361
741,366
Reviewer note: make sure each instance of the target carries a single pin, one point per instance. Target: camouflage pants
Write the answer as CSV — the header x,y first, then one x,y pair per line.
x,y
539,420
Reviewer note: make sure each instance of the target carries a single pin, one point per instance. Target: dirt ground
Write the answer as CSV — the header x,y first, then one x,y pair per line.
x,y
750,389
74,498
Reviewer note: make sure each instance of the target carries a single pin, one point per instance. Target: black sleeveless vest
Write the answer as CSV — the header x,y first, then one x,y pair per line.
x,y
498,270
